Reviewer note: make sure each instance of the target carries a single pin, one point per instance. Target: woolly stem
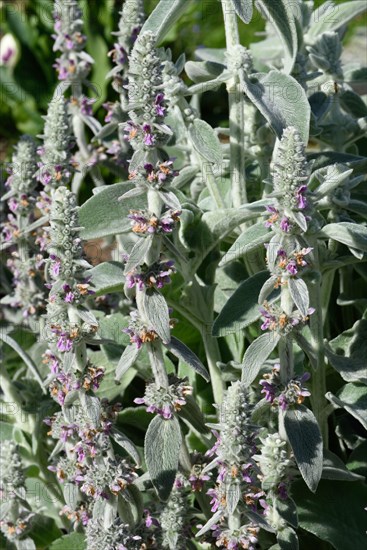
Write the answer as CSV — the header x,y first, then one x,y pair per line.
x,y
236,111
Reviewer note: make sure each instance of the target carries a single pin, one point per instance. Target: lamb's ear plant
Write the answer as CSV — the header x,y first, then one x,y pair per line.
x,y
204,386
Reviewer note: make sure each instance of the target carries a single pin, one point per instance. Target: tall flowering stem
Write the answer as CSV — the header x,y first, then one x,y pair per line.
x,y
238,61
73,67
88,467
146,131
132,17
26,261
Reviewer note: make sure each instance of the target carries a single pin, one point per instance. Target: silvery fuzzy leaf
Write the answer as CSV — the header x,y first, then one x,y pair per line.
x,y
299,293
275,244
180,350
282,17
4,509
109,513
57,449
138,253
267,289
304,436
300,219
186,174
304,344
126,444
287,509
163,17
192,414
170,199
351,369
91,122
154,310
130,504
180,63
103,214
127,359
254,236
353,235
106,130
256,355
244,9
201,71
233,494
107,277
353,398
87,316
162,449
92,407
287,539
25,544
70,397
330,17
334,468
212,521
99,508
242,308
259,520
206,141
71,494
28,361
280,109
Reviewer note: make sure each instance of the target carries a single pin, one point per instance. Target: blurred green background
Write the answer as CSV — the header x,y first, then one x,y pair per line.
x,y
27,87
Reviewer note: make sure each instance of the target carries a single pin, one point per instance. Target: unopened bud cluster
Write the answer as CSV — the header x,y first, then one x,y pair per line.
x,y
74,63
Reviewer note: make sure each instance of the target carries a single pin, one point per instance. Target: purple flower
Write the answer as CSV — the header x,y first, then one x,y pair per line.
x,y
86,106
64,342
301,199
149,138
285,224
291,267
159,105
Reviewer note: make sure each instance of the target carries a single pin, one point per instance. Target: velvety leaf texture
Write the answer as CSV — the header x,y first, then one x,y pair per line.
x,y
162,448
304,436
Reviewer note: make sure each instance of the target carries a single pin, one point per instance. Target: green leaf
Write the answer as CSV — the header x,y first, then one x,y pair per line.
x,y
201,71
24,356
288,511
256,355
299,293
305,439
126,361
126,444
353,235
352,398
287,539
330,17
281,100
71,494
164,16
243,9
184,353
44,531
281,16
205,141
155,310
138,253
162,448
74,541
107,277
254,236
242,308
335,513
350,369
233,495
103,214
334,468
